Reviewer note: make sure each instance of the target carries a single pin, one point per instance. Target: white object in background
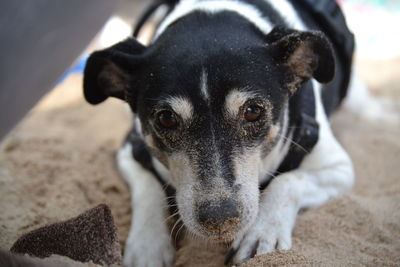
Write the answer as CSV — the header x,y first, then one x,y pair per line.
x,y
375,28
114,31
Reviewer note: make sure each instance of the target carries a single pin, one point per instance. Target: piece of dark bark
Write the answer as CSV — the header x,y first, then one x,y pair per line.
x,y
89,237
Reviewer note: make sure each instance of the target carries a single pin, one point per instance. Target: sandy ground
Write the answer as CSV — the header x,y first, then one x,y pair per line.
x,y
59,162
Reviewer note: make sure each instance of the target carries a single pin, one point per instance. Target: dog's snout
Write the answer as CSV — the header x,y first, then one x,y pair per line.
x,y
214,215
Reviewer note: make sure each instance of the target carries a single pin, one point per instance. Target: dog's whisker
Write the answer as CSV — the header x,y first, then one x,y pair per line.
x,y
197,238
165,187
294,143
273,175
170,203
270,174
177,233
170,206
171,216
176,223
168,199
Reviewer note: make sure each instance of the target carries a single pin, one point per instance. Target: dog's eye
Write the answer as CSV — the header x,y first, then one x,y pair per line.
x,y
252,113
167,119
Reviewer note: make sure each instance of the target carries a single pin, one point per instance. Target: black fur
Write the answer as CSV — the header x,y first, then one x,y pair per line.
x,y
234,54
98,87
326,16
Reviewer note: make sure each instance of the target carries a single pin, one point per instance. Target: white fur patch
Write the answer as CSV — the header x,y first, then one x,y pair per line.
x,y
148,242
150,141
235,99
138,126
214,6
182,106
180,168
184,180
203,85
274,131
246,173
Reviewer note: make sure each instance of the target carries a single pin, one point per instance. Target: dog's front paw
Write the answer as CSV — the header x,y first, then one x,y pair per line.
x,y
148,249
262,238
272,230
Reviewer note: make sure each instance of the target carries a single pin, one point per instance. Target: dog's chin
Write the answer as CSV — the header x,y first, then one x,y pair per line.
x,y
225,238
223,234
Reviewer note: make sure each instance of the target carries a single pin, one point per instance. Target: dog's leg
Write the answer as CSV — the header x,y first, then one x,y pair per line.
x,y
324,173
148,243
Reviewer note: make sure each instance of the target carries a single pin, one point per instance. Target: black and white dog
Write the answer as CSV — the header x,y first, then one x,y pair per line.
x,y
230,114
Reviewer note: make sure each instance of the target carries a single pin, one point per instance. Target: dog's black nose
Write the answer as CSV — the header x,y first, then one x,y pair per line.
x,y
215,215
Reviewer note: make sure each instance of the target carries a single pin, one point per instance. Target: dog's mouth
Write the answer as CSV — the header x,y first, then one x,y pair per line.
x,y
224,232
219,226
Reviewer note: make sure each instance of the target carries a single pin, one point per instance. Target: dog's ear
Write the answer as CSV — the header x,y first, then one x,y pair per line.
x,y
306,54
109,72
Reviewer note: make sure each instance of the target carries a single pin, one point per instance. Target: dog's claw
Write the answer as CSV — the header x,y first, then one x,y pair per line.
x,y
230,255
254,250
276,244
233,257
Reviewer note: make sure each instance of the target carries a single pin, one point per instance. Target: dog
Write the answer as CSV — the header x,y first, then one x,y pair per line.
x,y
231,105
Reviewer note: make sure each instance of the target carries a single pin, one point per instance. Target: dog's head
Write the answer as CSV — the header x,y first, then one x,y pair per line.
x,y
211,107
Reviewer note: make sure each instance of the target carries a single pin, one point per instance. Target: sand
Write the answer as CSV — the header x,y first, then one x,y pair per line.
x,y
59,162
